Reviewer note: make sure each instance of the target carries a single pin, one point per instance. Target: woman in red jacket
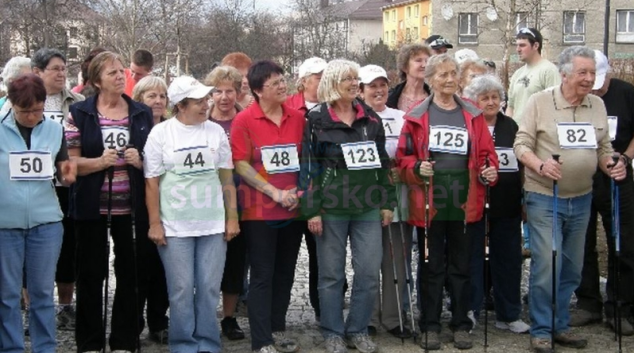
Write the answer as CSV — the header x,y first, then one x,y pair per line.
x,y
442,154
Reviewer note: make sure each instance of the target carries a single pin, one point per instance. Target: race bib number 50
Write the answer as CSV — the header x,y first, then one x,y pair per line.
x,y
30,165
576,135
361,155
448,139
280,158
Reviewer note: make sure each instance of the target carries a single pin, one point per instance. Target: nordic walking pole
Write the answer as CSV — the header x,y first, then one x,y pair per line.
x,y
616,233
408,280
134,252
396,287
554,259
110,172
486,253
427,224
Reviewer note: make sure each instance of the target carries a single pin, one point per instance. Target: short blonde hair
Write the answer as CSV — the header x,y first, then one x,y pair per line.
x,y
222,74
147,83
335,72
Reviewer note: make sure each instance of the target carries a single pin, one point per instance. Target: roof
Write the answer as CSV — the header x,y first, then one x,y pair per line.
x,y
358,10
399,4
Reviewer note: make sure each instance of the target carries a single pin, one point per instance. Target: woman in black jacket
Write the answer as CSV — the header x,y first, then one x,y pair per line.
x,y
411,61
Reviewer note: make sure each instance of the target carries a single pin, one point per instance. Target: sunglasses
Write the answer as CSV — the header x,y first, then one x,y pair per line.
x,y
527,31
489,63
440,42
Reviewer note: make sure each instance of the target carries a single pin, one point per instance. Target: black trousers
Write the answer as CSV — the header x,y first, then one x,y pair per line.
x,y
156,295
65,272
588,293
92,265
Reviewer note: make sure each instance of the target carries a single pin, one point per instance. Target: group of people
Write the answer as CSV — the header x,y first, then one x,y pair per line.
x,y
239,172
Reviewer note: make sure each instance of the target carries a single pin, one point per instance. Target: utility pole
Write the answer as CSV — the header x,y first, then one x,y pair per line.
x,y
606,31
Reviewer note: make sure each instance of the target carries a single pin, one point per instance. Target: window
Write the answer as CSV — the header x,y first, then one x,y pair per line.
x,y
521,21
574,27
415,10
415,34
72,52
409,12
468,28
400,24
393,15
393,39
387,37
408,35
424,20
625,26
386,16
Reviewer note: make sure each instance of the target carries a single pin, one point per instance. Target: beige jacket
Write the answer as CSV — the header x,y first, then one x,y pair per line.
x,y
538,134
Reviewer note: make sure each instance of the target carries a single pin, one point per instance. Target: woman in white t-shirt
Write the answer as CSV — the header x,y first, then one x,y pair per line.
x,y
374,91
191,200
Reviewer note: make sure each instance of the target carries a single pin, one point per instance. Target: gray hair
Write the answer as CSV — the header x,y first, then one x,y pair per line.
x,y
42,57
566,57
14,68
436,60
148,83
483,84
334,73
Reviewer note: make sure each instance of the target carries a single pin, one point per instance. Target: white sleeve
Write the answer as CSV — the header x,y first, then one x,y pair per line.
x,y
153,165
225,160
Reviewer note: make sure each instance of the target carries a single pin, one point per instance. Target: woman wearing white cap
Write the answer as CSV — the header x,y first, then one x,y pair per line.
x,y
374,87
188,170
309,76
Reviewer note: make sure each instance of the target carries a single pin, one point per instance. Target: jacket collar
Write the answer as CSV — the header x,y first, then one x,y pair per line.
x,y
322,111
561,103
71,97
418,111
89,106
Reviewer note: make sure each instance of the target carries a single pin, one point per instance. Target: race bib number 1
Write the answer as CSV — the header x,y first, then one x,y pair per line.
x,y
56,116
361,155
30,165
193,160
507,159
391,128
280,158
116,137
448,139
576,135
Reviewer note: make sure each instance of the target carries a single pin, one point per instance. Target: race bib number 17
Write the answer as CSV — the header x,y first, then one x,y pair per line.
x,y
56,116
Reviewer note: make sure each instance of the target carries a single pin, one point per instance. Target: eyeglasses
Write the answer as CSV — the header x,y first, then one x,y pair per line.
x,y
57,68
526,30
276,83
29,112
351,79
440,42
489,63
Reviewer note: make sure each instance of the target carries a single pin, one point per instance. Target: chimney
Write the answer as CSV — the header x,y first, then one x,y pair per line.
x,y
323,4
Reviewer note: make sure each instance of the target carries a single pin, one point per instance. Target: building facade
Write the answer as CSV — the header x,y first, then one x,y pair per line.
x,y
406,22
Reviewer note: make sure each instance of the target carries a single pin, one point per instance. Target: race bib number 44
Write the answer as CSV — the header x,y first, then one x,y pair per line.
x,y
448,139
576,135
507,159
193,160
116,137
361,155
280,158
30,165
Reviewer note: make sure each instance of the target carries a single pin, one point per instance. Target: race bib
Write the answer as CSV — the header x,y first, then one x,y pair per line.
x,y
361,155
576,135
507,159
448,139
116,137
56,116
280,158
391,128
193,160
613,124
30,165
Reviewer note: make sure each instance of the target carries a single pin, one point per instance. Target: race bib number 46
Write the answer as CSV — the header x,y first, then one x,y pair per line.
x,y
361,155
280,158
448,139
116,137
576,135
30,165
193,160
507,159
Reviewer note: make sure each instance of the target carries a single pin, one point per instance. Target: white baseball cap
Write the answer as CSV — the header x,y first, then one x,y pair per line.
x,y
602,69
465,54
186,87
312,66
369,73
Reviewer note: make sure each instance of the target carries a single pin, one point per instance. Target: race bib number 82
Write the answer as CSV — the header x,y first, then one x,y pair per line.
x,y
576,135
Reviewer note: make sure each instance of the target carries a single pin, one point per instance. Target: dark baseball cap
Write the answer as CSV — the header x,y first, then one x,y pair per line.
x,y
436,42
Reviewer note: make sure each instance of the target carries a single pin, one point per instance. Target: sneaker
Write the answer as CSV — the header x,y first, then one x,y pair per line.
x,y
231,329
430,341
362,343
582,317
335,344
284,344
568,339
541,345
517,326
462,340
471,316
626,326
266,349
66,318
159,337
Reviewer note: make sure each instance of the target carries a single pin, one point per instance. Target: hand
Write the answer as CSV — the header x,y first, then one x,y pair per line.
x,y
489,174
426,169
108,158
396,178
157,234
69,171
315,225
287,198
386,217
618,171
131,157
232,229
552,169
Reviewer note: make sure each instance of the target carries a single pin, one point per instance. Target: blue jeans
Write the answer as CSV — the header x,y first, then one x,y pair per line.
x,y
194,264
573,214
365,242
36,250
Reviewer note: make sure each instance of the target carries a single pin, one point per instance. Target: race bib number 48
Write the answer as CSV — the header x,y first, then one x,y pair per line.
x,y
448,139
361,155
30,165
576,135
507,159
116,137
280,158
193,160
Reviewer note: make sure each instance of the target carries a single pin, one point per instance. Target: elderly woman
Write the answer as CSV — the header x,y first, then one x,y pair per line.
x,y
227,83
266,142
443,153
505,215
344,149
152,91
105,134
18,65
411,62
241,62
32,152
469,70
309,76
192,154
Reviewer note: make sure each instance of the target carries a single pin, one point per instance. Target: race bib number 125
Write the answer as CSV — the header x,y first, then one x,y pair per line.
x,y
448,139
